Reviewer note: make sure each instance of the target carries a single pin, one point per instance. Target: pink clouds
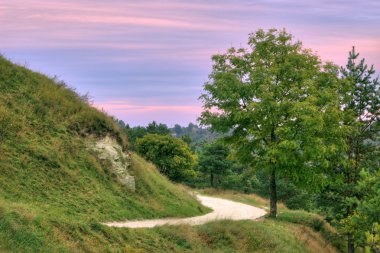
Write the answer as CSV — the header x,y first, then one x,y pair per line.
x,y
336,49
126,106
122,13
125,20
158,52
140,114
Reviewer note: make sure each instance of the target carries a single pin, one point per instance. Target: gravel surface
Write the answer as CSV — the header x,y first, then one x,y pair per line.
x,y
222,210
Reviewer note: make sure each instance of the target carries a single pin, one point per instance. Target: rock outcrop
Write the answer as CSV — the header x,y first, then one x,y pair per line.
x,y
109,150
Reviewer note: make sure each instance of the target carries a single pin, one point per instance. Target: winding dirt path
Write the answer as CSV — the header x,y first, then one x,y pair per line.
x,y
222,210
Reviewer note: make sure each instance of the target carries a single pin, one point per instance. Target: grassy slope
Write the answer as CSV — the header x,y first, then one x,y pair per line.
x,y
54,193
50,182
293,232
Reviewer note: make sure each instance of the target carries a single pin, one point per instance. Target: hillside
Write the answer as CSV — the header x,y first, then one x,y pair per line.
x,y
51,184
58,184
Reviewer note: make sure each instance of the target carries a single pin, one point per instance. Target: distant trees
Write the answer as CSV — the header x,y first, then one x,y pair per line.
x,y
213,160
193,134
134,133
278,105
172,156
154,128
177,130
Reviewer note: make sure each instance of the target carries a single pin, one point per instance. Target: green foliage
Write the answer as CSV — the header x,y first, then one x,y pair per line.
x,y
278,104
140,131
135,133
373,239
154,128
345,198
194,135
171,155
292,196
214,161
367,210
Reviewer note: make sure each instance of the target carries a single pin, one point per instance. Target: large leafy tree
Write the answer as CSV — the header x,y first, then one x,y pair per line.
x,y
172,156
277,102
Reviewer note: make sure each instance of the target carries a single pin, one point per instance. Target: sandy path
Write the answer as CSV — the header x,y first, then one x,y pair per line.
x,y
222,210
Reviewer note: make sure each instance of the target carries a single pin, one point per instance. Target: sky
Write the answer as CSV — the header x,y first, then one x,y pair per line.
x,y
148,60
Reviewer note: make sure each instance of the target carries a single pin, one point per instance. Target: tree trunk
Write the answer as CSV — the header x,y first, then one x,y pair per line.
x,y
212,179
350,244
273,195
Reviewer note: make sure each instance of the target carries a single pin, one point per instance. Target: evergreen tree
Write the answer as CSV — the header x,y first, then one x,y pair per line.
x,y
360,104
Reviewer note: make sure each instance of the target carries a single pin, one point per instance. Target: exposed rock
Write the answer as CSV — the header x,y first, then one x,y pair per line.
x,y
108,149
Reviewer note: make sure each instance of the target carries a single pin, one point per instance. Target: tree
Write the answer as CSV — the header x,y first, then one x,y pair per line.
x,y
178,130
213,160
154,128
359,97
277,102
361,106
373,239
172,156
140,131
186,138
135,133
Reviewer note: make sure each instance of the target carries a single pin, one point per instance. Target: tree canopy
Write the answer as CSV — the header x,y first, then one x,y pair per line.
x,y
172,156
278,104
214,161
344,197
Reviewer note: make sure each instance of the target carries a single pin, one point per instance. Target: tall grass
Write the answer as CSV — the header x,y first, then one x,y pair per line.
x,y
51,183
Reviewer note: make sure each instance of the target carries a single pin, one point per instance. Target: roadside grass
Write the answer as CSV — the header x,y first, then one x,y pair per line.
x,y
305,219
40,235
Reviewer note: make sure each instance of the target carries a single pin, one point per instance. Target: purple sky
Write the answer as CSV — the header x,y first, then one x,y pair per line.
x,y
147,60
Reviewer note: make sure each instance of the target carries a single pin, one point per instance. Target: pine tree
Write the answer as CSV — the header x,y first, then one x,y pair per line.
x,y
360,104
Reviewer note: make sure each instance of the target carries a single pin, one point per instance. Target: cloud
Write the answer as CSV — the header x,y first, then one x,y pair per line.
x,y
142,114
154,56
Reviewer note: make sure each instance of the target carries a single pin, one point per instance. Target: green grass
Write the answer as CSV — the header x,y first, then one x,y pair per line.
x,y
54,192
222,236
50,182
301,218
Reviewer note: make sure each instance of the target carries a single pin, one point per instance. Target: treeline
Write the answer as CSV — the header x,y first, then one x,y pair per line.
x,y
290,127
198,157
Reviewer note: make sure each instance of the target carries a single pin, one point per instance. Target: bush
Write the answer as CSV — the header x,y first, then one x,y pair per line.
x,y
171,155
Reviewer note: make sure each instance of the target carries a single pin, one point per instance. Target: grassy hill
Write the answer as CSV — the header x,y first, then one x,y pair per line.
x,y
51,185
55,192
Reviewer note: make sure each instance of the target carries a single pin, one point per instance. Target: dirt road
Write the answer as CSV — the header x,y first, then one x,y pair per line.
x,y
222,210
